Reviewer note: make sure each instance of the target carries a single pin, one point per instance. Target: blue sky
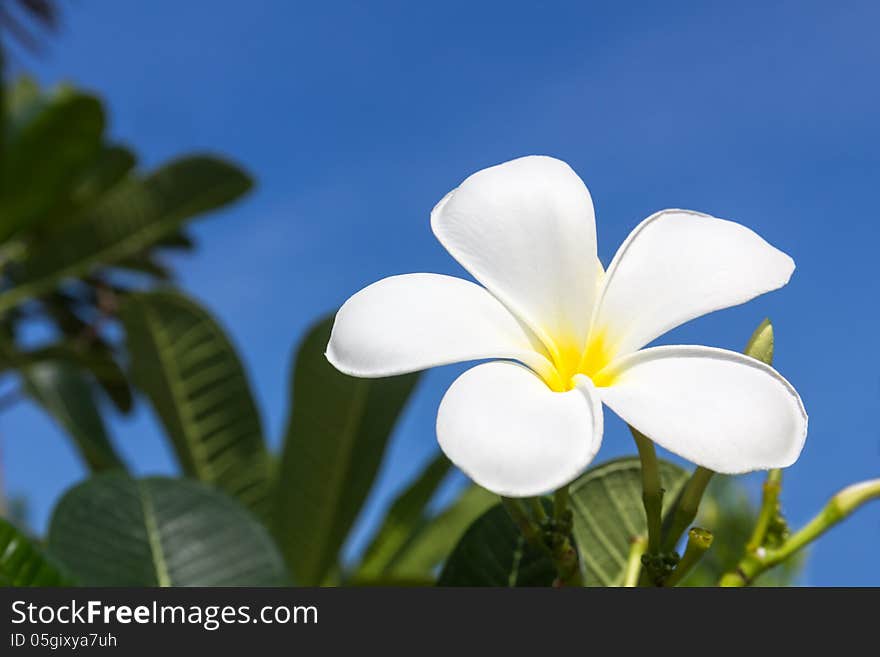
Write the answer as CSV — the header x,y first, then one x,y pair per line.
x,y
355,118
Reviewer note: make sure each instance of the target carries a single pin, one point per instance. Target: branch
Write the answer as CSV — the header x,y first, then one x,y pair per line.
x,y
652,491
839,507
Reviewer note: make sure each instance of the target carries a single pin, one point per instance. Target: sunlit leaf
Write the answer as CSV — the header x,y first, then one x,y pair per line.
x,y
609,513
23,563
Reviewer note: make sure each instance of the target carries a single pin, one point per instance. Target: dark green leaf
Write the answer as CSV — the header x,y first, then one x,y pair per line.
x,y
23,563
179,240
609,513
95,358
111,166
492,552
113,530
67,395
61,307
44,157
130,218
336,435
183,360
406,514
147,265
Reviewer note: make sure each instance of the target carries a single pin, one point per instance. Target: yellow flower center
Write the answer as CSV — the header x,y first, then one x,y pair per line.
x,y
571,359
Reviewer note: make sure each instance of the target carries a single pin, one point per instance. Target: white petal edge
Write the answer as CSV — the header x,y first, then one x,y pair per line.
x,y
526,230
514,436
678,265
415,321
719,409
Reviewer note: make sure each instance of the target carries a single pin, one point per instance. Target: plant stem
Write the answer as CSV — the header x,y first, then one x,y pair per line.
x,y
560,503
521,518
839,507
634,562
562,546
565,557
652,492
699,540
687,506
769,508
537,507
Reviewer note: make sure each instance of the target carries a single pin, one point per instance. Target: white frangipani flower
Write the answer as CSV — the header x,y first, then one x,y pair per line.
x,y
572,336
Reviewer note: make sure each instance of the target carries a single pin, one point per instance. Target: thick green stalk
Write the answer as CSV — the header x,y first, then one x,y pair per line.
x,y
565,554
560,504
537,507
652,491
686,508
634,562
521,518
699,540
769,509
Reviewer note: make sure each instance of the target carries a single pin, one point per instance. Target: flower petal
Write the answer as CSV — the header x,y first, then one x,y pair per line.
x,y
525,229
717,408
416,321
511,434
677,265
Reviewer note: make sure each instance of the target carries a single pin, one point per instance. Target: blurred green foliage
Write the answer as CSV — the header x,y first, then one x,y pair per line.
x,y
83,236
84,232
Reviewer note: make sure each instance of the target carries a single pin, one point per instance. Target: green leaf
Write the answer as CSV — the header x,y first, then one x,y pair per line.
x,y
434,541
403,518
113,530
336,435
187,366
23,100
493,552
44,157
96,359
23,563
128,220
760,345
68,396
110,168
146,265
179,240
608,513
